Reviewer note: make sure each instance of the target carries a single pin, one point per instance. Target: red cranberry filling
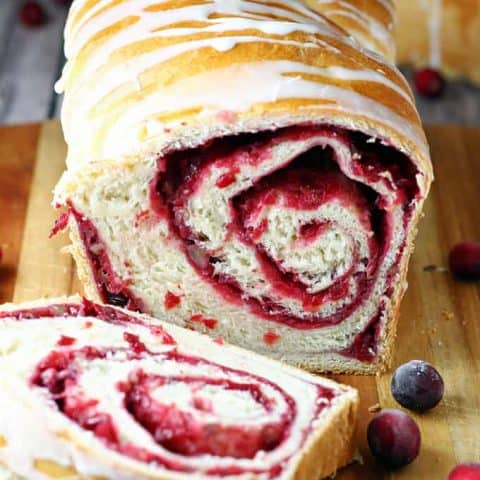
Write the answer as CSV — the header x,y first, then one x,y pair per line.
x,y
304,183
65,341
135,343
111,288
270,338
88,309
307,189
209,323
171,300
185,425
364,346
191,433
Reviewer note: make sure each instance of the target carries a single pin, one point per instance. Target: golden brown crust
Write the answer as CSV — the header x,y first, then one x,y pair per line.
x,y
372,94
333,448
373,28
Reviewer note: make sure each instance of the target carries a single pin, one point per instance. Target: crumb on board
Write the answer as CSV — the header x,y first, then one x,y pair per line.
x,y
434,268
447,314
375,408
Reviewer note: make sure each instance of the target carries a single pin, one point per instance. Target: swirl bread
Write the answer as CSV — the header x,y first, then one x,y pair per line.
x,y
245,168
94,392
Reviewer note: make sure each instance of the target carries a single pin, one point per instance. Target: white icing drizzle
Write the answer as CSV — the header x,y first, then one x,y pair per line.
x,y
375,28
147,25
231,96
261,82
388,5
434,12
435,26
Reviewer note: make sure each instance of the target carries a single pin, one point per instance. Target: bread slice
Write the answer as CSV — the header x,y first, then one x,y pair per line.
x,y
256,175
91,391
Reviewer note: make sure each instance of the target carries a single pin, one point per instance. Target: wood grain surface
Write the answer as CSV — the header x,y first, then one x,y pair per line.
x,y
440,317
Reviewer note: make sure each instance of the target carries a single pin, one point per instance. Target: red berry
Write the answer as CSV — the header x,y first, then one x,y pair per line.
x,y
393,438
429,82
464,260
417,385
171,300
32,14
465,471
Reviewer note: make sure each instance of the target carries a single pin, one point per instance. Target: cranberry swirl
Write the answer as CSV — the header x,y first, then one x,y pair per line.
x,y
297,224
143,396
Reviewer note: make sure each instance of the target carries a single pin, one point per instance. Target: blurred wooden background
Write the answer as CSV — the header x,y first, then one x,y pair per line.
x,y
30,62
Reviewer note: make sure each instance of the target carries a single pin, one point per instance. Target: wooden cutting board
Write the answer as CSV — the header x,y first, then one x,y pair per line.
x,y
440,317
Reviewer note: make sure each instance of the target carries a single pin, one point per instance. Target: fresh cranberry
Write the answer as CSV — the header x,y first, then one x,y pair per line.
x,y
464,260
135,343
271,338
465,471
393,438
417,385
65,341
210,323
32,14
171,300
429,82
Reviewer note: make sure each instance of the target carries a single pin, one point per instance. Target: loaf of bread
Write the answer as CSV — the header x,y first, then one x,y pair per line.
x,y
370,22
95,392
244,168
444,34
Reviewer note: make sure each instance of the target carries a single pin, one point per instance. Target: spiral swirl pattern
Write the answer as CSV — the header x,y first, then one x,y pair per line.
x,y
252,169
126,398
278,224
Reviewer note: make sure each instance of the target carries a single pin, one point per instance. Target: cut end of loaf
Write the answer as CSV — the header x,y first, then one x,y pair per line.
x,y
251,171
292,243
